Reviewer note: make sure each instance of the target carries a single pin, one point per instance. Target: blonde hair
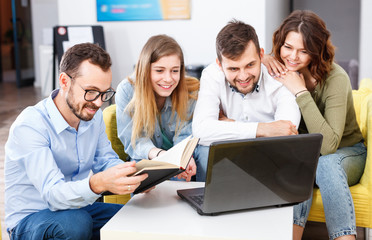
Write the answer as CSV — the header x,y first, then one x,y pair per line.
x,y
142,107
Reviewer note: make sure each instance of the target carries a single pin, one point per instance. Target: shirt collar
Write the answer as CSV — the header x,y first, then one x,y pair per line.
x,y
57,119
269,84
168,103
55,116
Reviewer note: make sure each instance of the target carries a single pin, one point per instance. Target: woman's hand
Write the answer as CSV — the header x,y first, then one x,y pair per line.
x,y
189,172
155,152
293,81
274,67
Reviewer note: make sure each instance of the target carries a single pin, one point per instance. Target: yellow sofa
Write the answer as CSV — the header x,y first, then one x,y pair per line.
x,y
361,192
109,117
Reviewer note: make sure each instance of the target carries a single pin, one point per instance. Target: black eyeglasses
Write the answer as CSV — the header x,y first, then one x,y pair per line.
x,y
92,95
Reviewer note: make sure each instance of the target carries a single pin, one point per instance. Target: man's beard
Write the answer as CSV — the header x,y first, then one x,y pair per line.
x,y
75,108
254,85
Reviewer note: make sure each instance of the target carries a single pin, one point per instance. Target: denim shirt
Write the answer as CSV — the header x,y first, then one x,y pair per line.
x,y
123,96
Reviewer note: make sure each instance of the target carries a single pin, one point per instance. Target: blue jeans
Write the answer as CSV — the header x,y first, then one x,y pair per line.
x,y
201,159
334,174
83,223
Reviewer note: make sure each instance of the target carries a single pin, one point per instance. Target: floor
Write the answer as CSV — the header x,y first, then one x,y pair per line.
x,y
13,101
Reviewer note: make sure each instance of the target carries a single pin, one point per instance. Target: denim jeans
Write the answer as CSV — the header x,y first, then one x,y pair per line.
x,y
334,174
201,159
83,223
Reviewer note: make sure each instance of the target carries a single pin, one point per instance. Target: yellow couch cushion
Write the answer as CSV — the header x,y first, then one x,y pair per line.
x,y
118,199
363,111
109,117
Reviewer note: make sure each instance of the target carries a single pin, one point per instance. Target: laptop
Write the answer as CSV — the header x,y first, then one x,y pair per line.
x,y
257,173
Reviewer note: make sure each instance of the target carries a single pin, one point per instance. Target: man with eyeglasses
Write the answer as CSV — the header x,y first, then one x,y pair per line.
x,y
58,159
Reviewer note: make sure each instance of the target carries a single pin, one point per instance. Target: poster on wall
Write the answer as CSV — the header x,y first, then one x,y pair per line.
x,y
137,10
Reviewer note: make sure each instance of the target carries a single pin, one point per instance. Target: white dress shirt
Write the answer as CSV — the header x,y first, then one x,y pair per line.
x,y
270,101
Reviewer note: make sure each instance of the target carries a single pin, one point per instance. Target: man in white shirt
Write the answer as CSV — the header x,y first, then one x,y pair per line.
x,y
238,98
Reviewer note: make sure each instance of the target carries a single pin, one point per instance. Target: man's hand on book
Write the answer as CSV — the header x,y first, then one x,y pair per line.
x,y
189,172
116,179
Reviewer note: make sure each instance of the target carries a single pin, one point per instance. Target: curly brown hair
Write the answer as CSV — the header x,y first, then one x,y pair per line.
x,y
316,37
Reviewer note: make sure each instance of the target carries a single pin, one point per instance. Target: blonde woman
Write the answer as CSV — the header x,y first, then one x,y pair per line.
x,y
155,104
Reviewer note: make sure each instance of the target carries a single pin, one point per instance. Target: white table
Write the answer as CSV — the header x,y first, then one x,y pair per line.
x,y
162,214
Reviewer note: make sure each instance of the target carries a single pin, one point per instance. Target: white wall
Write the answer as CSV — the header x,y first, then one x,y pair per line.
x,y
125,39
276,11
44,14
365,48
196,36
342,18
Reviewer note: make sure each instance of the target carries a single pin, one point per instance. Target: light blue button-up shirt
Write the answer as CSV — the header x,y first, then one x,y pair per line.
x,y
124,94
48,162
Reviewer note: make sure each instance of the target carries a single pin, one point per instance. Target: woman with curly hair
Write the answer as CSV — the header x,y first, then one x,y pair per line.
x,y
305,65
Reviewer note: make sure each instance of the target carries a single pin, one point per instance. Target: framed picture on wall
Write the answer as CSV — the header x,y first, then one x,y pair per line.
x,y
138,10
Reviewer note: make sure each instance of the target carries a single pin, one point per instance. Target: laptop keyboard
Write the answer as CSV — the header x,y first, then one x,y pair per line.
x,y
198,199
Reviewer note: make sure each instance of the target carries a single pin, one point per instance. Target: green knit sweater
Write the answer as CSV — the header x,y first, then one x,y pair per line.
x,y
329,110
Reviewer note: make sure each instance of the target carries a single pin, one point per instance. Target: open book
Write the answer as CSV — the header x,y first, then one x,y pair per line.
x,y
167,165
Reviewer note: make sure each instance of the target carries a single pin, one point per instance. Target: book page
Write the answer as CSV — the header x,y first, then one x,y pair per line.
x,y
174,155
187,153
151,164
166,165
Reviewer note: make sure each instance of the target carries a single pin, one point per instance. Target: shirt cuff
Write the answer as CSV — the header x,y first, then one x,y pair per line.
x,y
146,149
86,192
248,129
304,99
